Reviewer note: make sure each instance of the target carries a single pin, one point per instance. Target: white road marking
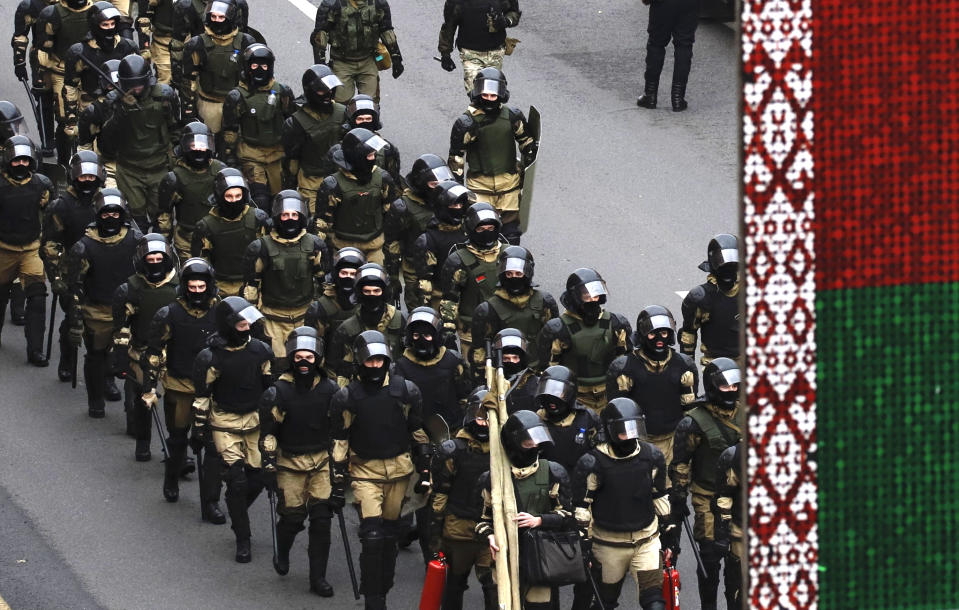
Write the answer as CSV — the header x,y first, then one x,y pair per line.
x,y
682,293
305,7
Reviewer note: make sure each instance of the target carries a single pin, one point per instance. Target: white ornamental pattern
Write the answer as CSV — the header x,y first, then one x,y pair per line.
x,y
779,208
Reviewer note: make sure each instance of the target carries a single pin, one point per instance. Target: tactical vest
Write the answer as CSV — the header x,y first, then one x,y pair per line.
x,y
441,243
471,463
110,266
240,384
320,136
162,21
480,283
421,215
195,189
356,32
359,215
74,215
188,335
394,331
73,29
378,429
528,320
334,314
436,384
230,239
493,152
657,394
148,300
221,72
523,396
624,502
146,129
593,348
569,442
473,31
306,426
20,211
532,493
288,279
261,122
720,334
717,437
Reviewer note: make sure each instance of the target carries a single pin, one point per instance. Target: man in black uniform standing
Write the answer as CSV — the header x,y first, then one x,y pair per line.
x,y
676,20
26,43
481,35
364,112
449,202
295,443
712,308
523,380
727,509
336,304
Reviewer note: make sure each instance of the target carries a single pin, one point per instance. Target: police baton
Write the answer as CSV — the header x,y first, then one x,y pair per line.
x,y
699,560
588,560
276,549
159,426
35,106
349,553
108,79
53,317
198,454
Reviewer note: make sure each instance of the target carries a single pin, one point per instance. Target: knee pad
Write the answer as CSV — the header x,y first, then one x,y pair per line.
x,y
320,510
648,597
371,528
235,474
512,232
35,290
391,528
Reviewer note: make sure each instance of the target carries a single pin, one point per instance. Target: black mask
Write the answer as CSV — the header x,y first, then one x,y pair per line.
x,y
155,271
363,170
371,308
512,368
726,281
624,448
423,348
19,172
231,209
483,239
260,77
522,458
303,373
86,189
220,28
320,102
199,159
489,107
591,312
652,350
555,408
288,229
344,287
727,401
105,37
515,286
480,433
197,300
238,337
455,215
372,376
109,226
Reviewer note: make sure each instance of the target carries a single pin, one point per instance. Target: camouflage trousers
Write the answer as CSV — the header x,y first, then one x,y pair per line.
x,y
474,61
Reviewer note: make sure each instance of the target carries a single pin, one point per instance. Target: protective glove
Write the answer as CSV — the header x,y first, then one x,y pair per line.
x,y
678,508
397,65
269,480
446,62
21,71
497,20
423,485
150,399
58,286
337,498
396,289
75,334
198,438
529,154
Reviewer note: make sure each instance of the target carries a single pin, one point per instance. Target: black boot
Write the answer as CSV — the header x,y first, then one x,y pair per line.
x,y
211,513
176,443
243,552
17,305
36,323
652,599
65,364
678,97
390,550
372,545
188,467
456,586
708,586
490,595
110,391
236,490
48,143
319,550
648,98
287,527
64,147
582,596
94,364
144,430
608,594
213,468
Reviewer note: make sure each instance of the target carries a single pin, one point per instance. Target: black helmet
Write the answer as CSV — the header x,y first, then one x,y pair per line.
x,y
722,260
523,436
87,163
556,392
427,168
261,55
582,284
111,68
304,338
230,12
351,154
489,80
18,148
479,214
475,411
110,200
231,311
718,373
363,104
12,122
368,344
226,179
372,307
135,72
511,341
154,243
655,319
319,86
623,416
98,13
516,258
451,200
290,201
197,268
348,257
196,144
424,321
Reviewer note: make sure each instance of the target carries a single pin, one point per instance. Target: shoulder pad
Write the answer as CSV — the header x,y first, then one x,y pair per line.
x,y
331,183
687,361
687,424
553,327
655,453
557,472
75,51
447,448
549,301
44,180
399,206
618,365
247,40
483,482
204,359
166,91
194,44
261,217
269,395
727,457
515,113
453,260
618,320
412,391
586,462
696,295
342,397
464,122
234,97
122,293
48,13
261,348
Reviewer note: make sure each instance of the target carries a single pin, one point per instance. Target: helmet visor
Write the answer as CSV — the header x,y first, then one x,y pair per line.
x,y
486,85
371,350
539,435
362,105
14,127
375,143
217,6
331,80
424,317
21,150
514,264
660,323
726,378
251,314
156,246
309,344
628,429
441,174
510,341
199,141
596,288
562,390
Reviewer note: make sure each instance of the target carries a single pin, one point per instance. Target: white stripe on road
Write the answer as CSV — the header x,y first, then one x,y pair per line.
x,y
682,293
305,7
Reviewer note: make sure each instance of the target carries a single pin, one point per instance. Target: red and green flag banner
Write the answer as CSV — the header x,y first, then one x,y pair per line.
x,y
851,232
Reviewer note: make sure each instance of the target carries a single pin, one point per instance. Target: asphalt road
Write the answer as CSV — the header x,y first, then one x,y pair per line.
x,y
635,193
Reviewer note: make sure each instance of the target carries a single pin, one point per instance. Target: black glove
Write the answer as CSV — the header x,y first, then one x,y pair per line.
x,y
337,498
269,480
119,361
447,63
197,439
678,508
529,154
21,71
497,20
397,65
423,485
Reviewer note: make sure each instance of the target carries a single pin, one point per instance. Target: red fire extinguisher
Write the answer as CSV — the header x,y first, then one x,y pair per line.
x,y
670,582
432,596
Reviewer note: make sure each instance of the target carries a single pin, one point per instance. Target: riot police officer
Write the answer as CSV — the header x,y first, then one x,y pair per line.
x,y
154,27
210,64
24,193
514,304
26,29
253,117
309,134
351,203
372,293
449,202
586,338
189,20
363,111
480,30
619,491
295,442
230,375
177,334
467,277
542,494
94,117
353,32
336,304
187,190
702,435
144,122
675,20
712,308
97,264
407,218
523,380
64,223
154,285
378,442
284,269
483,146
573,428
221,237
727,509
